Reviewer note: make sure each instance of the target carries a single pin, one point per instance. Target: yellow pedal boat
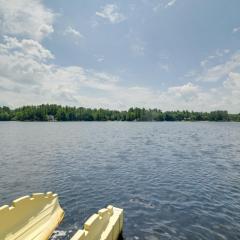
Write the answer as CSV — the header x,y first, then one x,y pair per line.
x,y
36,217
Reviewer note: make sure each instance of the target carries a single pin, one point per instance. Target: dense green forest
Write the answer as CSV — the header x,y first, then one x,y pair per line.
x,y
52,112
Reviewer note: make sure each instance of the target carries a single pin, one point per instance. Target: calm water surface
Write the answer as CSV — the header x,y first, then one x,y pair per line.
x,y
174,180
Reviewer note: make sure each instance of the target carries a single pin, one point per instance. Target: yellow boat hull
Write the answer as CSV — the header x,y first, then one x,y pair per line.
x,y
106,225
36,217
31,217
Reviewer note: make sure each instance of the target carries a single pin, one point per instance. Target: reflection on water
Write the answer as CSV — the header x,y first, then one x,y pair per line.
x,y
174,180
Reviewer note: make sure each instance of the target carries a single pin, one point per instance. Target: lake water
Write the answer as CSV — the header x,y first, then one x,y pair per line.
x,y
175,180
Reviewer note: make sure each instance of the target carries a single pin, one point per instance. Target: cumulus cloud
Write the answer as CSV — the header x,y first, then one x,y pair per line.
x,y
27,48
187,91
211,71
232,91
25,66
28,76
233,81
27,61
220,71
111,13
29,18
70,31
226,76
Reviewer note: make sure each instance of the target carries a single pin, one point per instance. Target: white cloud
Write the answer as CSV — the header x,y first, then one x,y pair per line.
x,y
220,71
187,92
216,56
26,72
27,76
232,90
27,48
211,71
170,3
194,97
227,74
111,13
23,62
233,81
70,31
29,18
236,29
188,89
160,4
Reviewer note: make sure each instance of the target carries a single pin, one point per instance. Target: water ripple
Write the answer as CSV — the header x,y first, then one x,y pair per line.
x,y
178,181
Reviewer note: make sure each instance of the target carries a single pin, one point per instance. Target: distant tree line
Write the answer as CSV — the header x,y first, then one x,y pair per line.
x,y
53,112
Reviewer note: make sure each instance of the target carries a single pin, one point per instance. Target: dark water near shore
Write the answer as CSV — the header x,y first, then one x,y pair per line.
x,y
174,180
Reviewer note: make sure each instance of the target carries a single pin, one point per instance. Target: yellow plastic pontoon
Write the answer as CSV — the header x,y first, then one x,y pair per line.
x,y
30,217
106,225
36,217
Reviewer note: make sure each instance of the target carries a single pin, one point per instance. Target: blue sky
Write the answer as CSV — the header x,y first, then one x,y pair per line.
x,y
169,54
